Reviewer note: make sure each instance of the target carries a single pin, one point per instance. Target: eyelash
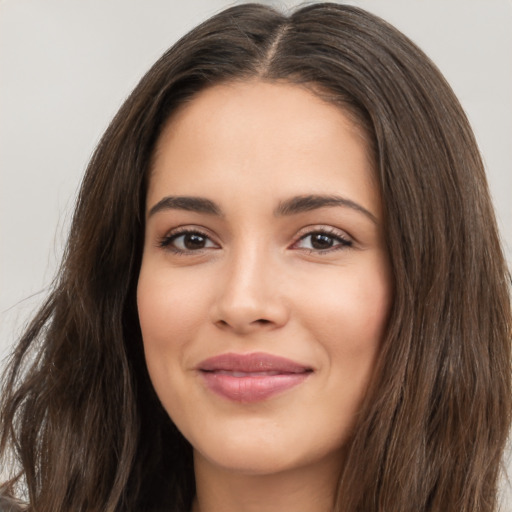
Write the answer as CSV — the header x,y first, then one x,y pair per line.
x,y
166,242
340,241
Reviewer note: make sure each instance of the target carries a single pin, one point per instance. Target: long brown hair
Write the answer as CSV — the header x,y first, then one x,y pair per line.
x,y
79,418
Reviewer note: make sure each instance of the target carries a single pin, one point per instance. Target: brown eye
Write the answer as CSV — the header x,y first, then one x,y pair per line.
x,y
188,241
193,241
323,241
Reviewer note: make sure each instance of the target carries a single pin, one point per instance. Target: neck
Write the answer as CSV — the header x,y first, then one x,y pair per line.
x,y
309,488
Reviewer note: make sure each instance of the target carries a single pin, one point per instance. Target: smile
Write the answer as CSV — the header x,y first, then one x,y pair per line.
x,y
251,377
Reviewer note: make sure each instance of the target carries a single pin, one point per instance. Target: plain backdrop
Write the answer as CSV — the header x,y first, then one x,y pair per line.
x,y
67,65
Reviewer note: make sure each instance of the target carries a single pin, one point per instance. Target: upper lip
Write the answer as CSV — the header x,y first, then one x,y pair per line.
x,y
252,363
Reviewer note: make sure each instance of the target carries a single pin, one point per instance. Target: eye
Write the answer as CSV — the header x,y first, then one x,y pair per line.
x,y
187,241
322,241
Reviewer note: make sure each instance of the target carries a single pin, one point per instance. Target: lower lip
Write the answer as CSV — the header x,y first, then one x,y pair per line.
x,y
252,388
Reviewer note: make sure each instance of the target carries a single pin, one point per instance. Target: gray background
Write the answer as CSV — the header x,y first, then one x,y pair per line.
x,y
67,65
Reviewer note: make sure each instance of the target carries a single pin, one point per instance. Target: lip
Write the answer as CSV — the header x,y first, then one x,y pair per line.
x,y
251,377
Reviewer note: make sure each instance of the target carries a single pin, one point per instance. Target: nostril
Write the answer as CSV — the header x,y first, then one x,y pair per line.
x,y
262,321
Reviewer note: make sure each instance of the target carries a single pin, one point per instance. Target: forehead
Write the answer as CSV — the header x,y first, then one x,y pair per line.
x,y
251,132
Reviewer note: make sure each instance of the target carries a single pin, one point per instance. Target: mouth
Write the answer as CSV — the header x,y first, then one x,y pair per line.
x,y
251,377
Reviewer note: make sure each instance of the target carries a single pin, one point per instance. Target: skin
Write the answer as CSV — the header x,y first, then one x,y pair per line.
x,y
257,282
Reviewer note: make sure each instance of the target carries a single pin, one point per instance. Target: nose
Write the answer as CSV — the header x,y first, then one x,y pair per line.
x,y
250,297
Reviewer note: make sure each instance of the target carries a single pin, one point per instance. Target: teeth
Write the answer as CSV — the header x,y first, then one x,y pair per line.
x,y
247,374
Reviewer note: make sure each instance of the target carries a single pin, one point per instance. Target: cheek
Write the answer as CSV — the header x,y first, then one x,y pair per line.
x,y
354,310
169,310
348,321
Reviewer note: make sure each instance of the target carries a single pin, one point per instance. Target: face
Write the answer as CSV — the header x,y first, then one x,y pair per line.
x,y
265,287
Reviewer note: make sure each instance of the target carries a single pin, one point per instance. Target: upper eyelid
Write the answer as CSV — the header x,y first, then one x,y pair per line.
x,y
319,228
172,234
180,230
176,236
342,239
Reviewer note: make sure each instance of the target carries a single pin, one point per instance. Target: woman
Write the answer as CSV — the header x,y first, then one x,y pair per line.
x,y
283,288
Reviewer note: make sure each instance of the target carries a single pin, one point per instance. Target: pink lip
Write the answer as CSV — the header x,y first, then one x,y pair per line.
x,y
251,377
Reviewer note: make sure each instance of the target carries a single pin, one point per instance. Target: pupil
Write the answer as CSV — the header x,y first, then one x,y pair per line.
x,y
194,241
321,241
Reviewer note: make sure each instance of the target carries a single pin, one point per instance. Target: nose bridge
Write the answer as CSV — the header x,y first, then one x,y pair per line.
x,y
249,295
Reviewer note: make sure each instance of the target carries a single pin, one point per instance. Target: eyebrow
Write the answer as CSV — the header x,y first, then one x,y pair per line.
x,y
307,203
188,203
292,206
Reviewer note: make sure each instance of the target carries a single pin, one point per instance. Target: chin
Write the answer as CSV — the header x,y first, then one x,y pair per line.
x,y
250,461
261,452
